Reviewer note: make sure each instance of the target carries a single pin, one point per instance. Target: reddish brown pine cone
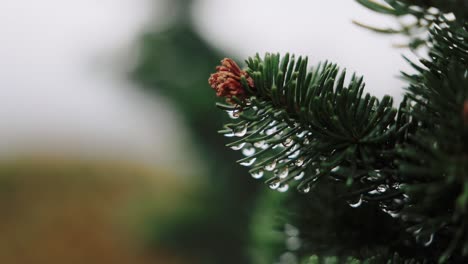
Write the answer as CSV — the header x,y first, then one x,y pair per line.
x,y
226,80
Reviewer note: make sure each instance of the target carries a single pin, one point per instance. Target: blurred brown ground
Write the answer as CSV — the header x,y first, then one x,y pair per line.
x,y
64,211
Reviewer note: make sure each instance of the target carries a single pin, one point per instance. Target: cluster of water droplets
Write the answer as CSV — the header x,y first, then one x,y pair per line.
x,y
281,169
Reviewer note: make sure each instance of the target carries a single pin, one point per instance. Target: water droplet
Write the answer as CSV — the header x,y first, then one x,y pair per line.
x,y
271,166
294,154
299,161
302,134
229,134
357,203
305,189
293,243
299,176
288,142
425,240
265,146
233,114
274,185
275,146
294,148
240,132
335,169
306,141
394,214
249,162
382,188
283,188
270,131
248,151
283,173
257,174
259,144
241,145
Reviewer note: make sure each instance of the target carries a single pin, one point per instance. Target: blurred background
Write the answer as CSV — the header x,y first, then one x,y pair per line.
x,y
108,144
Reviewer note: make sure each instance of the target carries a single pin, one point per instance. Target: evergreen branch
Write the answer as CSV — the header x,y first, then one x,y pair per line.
x,y
298,126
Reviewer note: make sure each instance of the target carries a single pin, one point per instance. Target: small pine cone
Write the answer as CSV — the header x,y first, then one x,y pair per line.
x,y
226,80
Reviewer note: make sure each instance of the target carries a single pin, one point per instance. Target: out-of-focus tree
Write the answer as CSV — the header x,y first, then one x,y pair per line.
x,y
175,63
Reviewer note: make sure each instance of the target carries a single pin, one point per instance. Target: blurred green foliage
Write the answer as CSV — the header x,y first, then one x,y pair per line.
x,y
176,64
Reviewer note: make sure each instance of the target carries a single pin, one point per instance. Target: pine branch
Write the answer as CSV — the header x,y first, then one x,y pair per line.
x,y
299,126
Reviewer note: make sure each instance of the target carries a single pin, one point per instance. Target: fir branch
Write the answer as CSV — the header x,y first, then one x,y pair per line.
x,y
299,126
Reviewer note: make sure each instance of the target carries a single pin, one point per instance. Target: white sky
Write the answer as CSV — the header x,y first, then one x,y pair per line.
x,y
62,89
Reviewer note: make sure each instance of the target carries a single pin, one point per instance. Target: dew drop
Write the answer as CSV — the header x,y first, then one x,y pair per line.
x,y
259,144
302,134
299,176
381,188
306,141
294,154
294,148
233,114
283,188
241,131
249,162
283,173
270,131
299,162
305,189
274,185
335,169
257,174
248,151
271,166
288,142
394,214
241,145
229,134
425,241
357,203
429,241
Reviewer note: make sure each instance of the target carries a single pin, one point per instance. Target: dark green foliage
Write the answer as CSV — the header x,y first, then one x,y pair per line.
x,y
434,161
320,224
405,169
306,126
